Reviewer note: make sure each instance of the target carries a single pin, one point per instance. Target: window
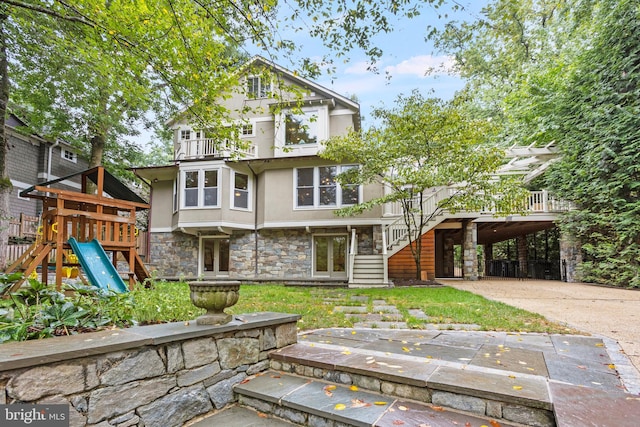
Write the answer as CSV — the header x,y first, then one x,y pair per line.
x,y
69,155
185,134
257,87
200,188
318,187
241,191
247,129
301,128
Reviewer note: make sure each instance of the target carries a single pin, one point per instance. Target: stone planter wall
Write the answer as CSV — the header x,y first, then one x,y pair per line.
x,y
160,375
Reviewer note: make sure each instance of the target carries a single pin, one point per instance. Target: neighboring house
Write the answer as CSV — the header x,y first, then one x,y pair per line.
x,y
269,214
32,159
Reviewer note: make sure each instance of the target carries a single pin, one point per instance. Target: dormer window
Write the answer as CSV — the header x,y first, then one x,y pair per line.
x,y
258,87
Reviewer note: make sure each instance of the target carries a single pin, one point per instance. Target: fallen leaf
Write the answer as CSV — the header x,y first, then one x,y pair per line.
x,y
340,407
263,415
245,381
353,388
380,403
403,408
517,387
398,422
599,344
353,332
521,362
347,352
275,376
406,349
512,377
612,366
359,403
494,423
438,408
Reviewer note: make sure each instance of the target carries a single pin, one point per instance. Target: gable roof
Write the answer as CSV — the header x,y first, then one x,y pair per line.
x,y
301,81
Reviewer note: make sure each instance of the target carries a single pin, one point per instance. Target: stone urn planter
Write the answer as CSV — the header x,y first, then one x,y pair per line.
x,y
214,296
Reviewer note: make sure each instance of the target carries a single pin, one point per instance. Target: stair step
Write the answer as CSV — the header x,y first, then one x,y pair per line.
x,y
373,365
238,416
314,402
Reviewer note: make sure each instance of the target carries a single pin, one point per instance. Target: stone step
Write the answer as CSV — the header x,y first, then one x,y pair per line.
x,y
509,397
312,402
238,416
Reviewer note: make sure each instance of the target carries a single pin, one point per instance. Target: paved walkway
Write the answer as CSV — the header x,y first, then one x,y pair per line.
x,y
612,312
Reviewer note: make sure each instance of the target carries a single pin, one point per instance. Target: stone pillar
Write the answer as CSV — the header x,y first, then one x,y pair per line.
x,y
570,257
521,244
488,257
469,251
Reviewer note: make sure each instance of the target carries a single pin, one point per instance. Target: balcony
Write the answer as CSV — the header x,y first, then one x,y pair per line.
x,y
212,148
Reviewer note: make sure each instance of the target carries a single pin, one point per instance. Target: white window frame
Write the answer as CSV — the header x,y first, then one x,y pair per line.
x,y
64,152
316,189
232,192
295,150
247,130
201,195
263,90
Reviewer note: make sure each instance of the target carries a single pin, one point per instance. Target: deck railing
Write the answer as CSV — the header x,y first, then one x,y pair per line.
x,y
210,147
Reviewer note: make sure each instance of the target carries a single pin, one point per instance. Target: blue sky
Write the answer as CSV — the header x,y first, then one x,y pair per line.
x,y
407,57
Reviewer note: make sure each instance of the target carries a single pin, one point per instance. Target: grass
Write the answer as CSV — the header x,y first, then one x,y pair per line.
x,y
169,301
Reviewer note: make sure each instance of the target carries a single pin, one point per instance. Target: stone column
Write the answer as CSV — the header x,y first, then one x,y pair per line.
x,y
521,244
570,257
469,251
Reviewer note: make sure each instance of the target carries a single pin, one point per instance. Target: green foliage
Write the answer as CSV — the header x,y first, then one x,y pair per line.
x,y
568,74
40,311
420,147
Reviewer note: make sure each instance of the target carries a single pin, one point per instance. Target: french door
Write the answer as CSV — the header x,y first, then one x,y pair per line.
x,y
215,257
330,256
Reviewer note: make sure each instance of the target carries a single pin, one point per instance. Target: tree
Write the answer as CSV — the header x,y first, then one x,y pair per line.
x,y
421,146
580,92
100,64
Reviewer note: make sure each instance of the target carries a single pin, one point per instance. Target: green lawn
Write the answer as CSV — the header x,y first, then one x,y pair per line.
x,y
169,301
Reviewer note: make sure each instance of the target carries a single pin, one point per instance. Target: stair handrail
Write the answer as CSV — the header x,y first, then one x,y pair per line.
x,y
352,253
397,230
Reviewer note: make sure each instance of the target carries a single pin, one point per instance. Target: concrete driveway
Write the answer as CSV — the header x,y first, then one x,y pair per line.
x,y
612,312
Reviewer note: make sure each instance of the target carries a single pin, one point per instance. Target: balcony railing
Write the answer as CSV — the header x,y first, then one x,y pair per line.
x,y
209,147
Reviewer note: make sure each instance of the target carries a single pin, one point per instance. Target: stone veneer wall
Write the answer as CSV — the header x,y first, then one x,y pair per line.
x,y
174,254
151,376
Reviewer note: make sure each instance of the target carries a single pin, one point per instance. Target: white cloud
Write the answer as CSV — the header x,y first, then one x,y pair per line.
x,y
359,68
420,65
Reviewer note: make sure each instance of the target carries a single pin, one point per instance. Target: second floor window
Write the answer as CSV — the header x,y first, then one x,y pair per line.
x,y
301,128
318,187
258,87
241,191
69,155
200,188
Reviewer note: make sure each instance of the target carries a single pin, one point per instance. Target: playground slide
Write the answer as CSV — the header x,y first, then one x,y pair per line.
x,y
97,265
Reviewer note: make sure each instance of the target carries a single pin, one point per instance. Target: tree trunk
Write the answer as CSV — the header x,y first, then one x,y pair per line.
x,y
98,142
5,182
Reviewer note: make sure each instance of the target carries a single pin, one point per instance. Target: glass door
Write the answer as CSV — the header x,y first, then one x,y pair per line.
x,y
330,256
215,257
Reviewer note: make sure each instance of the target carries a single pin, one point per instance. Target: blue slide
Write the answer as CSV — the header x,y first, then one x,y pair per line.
x,y
97,265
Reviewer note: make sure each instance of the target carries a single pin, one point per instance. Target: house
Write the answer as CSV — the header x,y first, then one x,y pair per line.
x,y
32,159
264,210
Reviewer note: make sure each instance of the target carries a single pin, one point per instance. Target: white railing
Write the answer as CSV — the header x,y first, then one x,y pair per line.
x,y
397,230
542,201
538,202
209,147
353,251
